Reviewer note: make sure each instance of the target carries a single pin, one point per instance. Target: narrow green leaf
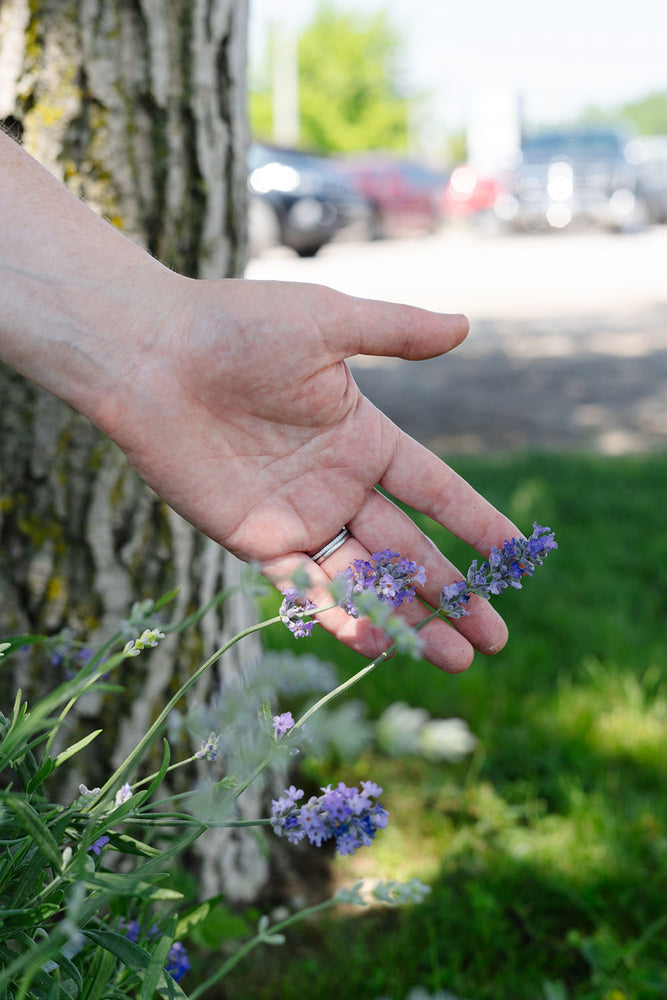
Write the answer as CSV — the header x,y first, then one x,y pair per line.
x,y
130,845
165,599
191,919
66,754
136,958
127,885
96,984
54,991
70,970
158,962
19,641
34,826
157,780
27,916
41,774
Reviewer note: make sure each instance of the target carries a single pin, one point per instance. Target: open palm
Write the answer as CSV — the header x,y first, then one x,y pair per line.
x,y
245,418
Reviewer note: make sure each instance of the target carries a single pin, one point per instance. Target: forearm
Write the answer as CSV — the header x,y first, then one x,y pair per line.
x,y
75,294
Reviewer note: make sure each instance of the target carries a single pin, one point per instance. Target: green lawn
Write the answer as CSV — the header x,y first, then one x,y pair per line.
x,y
547,849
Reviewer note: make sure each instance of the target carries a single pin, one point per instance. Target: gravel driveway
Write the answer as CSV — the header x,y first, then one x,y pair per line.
x,y
568,341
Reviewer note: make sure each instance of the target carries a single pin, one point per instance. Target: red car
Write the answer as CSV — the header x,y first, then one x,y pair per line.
x,y
469,194
403,195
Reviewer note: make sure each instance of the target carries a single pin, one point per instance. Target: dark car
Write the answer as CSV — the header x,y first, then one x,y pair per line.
x,y
573,176
298,200
649,153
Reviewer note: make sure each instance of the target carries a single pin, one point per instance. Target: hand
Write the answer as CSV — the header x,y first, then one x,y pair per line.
x,y
233,401
239,410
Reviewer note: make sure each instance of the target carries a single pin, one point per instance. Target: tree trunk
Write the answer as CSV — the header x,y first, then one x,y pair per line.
x,y
139,107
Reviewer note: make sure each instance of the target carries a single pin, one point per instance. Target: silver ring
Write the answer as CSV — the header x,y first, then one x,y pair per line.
x,y
335,543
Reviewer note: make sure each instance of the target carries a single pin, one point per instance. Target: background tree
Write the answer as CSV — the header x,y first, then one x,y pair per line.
x,y
349,82
139,106
647,115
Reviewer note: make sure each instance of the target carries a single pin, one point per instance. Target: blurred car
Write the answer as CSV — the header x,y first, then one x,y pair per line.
x,y
573,176
649,154
403,195
469,195
298,200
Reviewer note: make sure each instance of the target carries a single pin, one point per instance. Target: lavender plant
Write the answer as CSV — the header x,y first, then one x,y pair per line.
x,y
76,923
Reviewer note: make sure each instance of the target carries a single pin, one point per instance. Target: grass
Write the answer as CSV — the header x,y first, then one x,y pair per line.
x,y
547,850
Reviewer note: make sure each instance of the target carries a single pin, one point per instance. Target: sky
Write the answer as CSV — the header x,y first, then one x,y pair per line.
x,y
558,57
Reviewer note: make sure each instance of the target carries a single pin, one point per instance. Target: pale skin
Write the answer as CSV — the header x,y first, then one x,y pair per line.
x,y
234,402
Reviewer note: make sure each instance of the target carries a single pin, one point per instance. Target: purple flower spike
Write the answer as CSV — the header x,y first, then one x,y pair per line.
x,y
347,815
295,605
392,582
178,962
505,568
453,598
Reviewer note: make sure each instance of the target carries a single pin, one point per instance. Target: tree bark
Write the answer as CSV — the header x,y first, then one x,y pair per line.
x,y
139,107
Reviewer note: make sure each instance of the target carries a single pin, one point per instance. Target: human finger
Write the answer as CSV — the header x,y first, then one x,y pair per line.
x,y
381,524
388,329
442,645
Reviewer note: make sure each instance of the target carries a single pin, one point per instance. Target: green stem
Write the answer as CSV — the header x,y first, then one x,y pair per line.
x,y
359,675
172,767
138,751
344,686
253,942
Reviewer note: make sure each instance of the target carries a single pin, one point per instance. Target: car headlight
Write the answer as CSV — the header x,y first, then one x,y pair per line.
x,y
274,177
560,182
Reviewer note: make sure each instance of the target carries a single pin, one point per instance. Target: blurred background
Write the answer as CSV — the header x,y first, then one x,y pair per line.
x,y
508,161
436,113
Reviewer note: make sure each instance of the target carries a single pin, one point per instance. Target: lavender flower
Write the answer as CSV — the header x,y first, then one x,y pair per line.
x,y
124,794
209,748
453,598
505,568
178,962
129,929
149,637
282,723
348,815
392,582
97,845
295,605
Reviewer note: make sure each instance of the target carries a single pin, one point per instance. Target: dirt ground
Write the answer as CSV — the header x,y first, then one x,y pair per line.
x,y
513,389
568,341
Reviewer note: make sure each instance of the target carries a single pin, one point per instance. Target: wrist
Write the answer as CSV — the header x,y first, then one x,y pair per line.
x,y
78,301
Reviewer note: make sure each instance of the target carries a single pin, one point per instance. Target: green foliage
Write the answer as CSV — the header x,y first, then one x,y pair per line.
x,y
649,114
646,116
66,910
89,907
349,81
546,850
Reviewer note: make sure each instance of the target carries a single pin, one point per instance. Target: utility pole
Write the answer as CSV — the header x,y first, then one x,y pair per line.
x,y
286,125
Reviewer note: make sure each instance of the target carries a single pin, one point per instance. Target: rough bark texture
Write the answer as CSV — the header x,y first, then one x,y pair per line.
x,y
139,106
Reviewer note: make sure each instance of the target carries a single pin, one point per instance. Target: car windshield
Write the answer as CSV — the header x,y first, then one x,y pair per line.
x,y
583,146
258,156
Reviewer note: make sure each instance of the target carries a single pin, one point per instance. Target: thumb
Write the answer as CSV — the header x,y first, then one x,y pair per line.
x,y
388,329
